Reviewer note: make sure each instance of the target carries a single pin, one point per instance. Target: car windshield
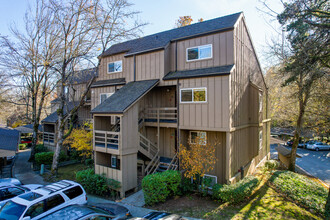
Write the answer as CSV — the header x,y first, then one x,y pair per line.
x,y
12,210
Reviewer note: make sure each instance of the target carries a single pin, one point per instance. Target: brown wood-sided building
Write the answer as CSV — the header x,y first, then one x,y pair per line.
x,y
157,92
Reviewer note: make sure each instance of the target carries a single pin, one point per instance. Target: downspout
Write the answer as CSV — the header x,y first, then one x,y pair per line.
x,y
134,68
177,103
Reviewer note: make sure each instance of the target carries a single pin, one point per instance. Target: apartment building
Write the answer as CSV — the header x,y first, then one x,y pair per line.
x,y
159,91
75,87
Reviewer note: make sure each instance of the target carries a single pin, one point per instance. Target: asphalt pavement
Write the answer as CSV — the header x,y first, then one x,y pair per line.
x,y
316,163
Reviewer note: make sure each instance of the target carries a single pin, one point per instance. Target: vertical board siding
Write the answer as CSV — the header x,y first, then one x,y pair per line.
x,y
150,65
166,140
213,114
95,94
126,71
222,51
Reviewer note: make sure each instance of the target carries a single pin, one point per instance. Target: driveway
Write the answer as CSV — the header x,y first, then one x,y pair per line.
x,y
317,163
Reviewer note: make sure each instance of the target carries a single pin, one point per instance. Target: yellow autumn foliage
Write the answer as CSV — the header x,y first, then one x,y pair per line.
x,y
198,159
81,140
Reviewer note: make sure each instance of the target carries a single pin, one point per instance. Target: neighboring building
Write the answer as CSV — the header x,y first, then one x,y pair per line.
x,y
9,141
74,89
157,92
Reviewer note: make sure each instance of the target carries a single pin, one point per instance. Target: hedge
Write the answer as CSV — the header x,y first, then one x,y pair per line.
x,y
47,157
301,189
236,193
96,184
159,186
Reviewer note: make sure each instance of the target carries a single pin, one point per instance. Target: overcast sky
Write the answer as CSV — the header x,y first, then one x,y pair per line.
x,y
162,15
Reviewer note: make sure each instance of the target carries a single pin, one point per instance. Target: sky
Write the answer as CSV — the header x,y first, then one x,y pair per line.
x,y
162,15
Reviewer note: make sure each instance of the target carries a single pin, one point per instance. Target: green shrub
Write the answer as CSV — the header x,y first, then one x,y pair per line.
x,y
47,157
96,184
236,193
215,191
159,186
40,148
187,186
22,146
89,162
271,165
301,189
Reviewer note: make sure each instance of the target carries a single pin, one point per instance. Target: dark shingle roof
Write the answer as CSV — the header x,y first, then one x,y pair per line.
x,y
125,97
109,82
25,129
211,71
83,76
160,40
52,118
9,138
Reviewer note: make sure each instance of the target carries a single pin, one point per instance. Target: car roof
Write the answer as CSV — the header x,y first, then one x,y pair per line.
x,y
73,212
44,191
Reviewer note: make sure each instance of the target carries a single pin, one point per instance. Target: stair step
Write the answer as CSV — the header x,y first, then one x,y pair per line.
x,y
165,159
163,167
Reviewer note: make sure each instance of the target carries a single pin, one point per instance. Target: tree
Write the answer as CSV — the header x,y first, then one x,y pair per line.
x,y
198,159
83,26
80,139
307,59
183,21
26,59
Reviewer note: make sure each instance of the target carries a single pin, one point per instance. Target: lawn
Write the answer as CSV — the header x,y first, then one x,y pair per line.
x,y
66,172
265,203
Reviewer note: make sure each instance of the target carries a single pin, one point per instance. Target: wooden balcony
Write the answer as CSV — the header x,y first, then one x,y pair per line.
x,y
49,138
107,141
163,117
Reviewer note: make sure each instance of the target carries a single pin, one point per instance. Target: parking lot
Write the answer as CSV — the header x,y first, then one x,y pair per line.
x,y
316,163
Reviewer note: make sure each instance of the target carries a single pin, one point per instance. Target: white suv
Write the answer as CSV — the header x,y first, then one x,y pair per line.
x,y
42,201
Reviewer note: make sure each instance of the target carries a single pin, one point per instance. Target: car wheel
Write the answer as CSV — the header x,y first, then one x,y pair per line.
x,y
317,149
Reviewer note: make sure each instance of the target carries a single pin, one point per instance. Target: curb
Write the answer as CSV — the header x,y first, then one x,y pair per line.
x,y
303,171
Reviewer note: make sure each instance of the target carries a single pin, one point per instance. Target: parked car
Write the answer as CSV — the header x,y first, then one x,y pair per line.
x,y
300,143
318,146
26,140
10,181
43,201
75,212
289,143
11,191
162,216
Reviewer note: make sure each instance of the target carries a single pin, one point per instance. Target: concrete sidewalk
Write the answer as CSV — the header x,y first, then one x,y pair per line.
x,y
23,169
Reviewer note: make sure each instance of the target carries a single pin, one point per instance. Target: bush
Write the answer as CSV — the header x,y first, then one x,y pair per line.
x,y
40,148
301,189
187,186
22,146
96,184
47,157
159,186
89,162
271,165
236,193
215,191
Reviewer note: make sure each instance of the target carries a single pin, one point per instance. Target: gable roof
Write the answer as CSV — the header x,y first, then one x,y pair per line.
x,y
160,40
125,97
52,118
26,129
109,82
211,71
9,139
82,76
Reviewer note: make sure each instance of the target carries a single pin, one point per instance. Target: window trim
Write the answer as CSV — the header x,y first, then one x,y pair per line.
x,y
106,93
198,132
260,139
211,176
115,70
198,47
197,88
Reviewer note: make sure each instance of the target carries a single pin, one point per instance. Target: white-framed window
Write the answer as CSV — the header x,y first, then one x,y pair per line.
x,y
200,135
199,52
260,101
260,140
193,95
114,161
114,67
214,179
104,96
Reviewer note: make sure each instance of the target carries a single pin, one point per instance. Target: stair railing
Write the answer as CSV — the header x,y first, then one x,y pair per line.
x,y
153,165
174,163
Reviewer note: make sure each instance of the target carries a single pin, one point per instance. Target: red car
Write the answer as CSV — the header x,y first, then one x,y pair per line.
x,y
27,141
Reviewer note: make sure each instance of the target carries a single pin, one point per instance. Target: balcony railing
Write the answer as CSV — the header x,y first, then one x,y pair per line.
x,y
161,115
106,139
49,138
